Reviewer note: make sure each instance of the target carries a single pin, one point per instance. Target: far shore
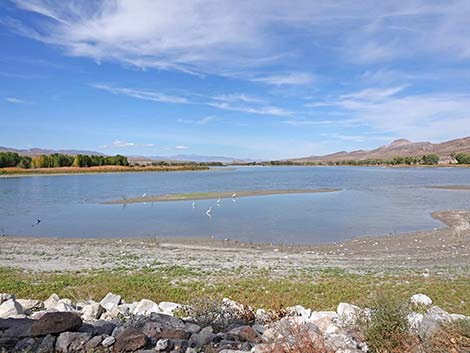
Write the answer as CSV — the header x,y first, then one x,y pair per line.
x,y
215,195
13,172
449,187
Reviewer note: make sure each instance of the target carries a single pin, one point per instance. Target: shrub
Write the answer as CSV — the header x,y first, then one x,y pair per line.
x,y
387,330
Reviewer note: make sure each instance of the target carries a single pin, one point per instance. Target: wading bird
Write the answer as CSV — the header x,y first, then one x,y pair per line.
x,y
194,204
144,194
208,212
218,202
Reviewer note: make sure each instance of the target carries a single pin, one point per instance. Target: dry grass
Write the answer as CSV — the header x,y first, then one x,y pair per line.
x,y
101,169
450,338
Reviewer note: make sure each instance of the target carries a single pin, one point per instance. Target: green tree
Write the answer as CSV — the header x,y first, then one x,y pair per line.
x,y
430,159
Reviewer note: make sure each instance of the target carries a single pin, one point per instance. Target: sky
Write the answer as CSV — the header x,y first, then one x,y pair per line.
x,y
262,79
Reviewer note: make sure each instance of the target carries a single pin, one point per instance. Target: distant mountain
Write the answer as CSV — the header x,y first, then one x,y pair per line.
x,y
398,148
190,158
38,151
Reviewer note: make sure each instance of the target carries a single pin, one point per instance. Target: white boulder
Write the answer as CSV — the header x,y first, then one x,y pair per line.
x,y
10,308
110,301
145,307
421,299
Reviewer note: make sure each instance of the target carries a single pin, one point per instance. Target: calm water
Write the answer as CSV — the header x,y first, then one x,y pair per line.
x,y
373,201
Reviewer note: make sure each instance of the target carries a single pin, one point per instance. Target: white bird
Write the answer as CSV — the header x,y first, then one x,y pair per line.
x,y
234,195
218,202
144,194
194,204
208,212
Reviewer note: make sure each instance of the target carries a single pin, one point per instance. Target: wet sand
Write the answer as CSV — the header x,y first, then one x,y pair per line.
x,y
215,195
442,250
449,187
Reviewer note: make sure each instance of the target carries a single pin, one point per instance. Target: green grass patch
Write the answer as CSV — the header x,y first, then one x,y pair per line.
x,y
317,290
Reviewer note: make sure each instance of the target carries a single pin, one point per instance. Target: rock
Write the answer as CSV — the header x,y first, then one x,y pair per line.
x,y
108,341
92,311
130,340
16,327
93,344
262,316
8,343
414,320
299,310
259,328
79,342
56,322
152,329
29,305
317,315
205,336
459,317
110,301
105,327
64,340
347,314
168,307
25,345
126,309
246,333
39,314
51,302
191,327
174,334
167,321
421,299
64,305
11,308
341,341
146,307
431,321
47,344
6,296
162,344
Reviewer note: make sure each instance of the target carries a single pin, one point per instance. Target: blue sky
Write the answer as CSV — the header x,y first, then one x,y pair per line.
x,y
260,79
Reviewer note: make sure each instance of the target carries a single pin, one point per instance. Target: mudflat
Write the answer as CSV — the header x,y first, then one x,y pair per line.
x,y
449,187
215,195
447,248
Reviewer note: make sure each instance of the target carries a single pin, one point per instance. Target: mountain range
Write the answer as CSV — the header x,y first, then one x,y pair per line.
x,y
398,148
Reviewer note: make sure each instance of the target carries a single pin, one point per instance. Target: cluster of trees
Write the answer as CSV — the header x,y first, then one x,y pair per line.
x,y
462,158
427,159
187,163
12,159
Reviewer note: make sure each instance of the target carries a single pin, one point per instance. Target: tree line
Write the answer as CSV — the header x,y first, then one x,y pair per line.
x,y
427,159
461,158
56,160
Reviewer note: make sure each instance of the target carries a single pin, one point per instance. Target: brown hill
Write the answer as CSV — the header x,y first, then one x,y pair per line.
x,y
398,148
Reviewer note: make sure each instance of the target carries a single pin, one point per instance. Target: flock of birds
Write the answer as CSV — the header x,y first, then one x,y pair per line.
x,y
209,210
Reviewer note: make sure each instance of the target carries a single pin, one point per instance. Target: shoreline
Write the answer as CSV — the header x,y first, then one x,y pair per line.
x,y
214,195
444,248
449,187
97,170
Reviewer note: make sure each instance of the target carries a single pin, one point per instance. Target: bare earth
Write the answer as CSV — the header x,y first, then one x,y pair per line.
x,y
450,187
446,249
214,195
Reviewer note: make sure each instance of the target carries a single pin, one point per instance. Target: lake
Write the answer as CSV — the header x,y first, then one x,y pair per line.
x,y
372,201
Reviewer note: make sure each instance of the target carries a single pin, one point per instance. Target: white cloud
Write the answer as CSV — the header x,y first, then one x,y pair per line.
x,y
203,121
290,78
213,37
181,147
125,144
237,97
15,100
263,110
431,116
142,94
